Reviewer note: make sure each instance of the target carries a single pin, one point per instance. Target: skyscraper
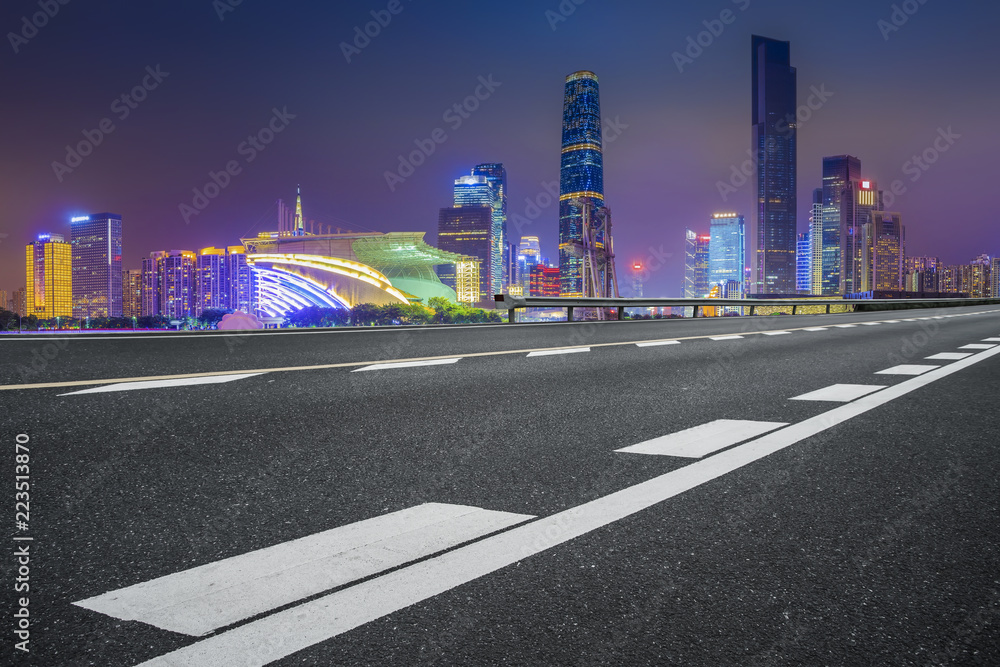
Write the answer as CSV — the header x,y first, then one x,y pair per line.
x,y
152,268
803,264
995,278
816,242
132,293
836,272
19,302
883,249
97,265
211,287
496,176
863,198
772,250
726,249
466,230
696,258
241,281
480,190
581,179
48,276
177,284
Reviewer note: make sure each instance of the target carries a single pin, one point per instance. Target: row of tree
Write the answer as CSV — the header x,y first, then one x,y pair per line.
x,y
438,311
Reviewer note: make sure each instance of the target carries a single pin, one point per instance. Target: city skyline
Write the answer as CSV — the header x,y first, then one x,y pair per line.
x,y
674,130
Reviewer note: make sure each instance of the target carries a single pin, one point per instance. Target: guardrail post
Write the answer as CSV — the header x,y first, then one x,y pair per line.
x,y
827,309
696,308
621,313
569,313
794,309
510,316
753,310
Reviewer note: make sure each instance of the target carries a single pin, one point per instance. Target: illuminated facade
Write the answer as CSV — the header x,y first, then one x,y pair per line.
x,y
466,230
132,293
240,281
803,265
151,283
883,252
467,280
581,180
696,259
980,286
178,292
211,286
97,265
500,261
726,248
995,278
837,223
773,225
19,302
544,280
49,275
816,239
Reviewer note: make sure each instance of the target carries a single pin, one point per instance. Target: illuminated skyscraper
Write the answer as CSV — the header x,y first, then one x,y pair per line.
x,y
132,293
863,199
496,176
696,257
4,302
773,225
19,302
48,277
97,265
152,269
581,178
241,281
980,277
481,190
803,264
837,224
177,281
995,278
883,248
816,243
726,249
211,287
466,230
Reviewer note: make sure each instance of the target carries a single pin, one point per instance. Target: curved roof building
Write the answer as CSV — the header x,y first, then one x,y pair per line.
x,y
297,270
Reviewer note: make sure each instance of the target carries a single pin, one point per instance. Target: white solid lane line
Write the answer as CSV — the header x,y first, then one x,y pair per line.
x,y
907,369
991,340
840,393
161,384
406,364
209,597
549,353
977,346
949,356
284,633
657,343
703,440
726,338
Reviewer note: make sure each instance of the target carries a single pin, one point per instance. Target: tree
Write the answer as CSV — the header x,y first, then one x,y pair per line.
x,y
364,314
316,316
210,317
152,322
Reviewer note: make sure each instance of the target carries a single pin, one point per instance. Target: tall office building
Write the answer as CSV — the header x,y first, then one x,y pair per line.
x,y
484,191
241,281
696,258
97,265
726,249
980,277
772,249
883,249
211,287
544,280
496,176
816,244
467,230
581,174
132,293
48,276
803,264
839,173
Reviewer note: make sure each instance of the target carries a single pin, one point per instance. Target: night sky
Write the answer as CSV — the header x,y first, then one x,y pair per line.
x,y
678,132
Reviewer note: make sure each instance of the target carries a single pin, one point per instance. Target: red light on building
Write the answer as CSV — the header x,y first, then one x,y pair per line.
x,y
637,266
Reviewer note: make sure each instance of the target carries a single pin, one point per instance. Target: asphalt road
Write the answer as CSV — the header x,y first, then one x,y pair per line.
x,y
872,539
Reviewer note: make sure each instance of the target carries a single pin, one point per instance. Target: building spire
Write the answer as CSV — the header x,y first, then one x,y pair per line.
x,y
300,224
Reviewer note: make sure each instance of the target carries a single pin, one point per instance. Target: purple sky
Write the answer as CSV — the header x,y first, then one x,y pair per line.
x,y
680,132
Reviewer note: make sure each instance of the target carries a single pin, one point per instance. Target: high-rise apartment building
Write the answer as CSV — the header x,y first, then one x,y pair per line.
x,y
466,230
97,265
211,286
4,301
152,269
241,280
19,302
48,277
883,250
773,224
980,277
995,278
132,293
726,249
696,258
581,174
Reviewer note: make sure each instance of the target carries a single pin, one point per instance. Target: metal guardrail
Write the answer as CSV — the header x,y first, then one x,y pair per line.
x,y
512,303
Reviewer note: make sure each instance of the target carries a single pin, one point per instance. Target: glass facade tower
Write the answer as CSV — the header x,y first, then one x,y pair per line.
x,y
773,237
97,265
581,179
48,264
500,262
727,249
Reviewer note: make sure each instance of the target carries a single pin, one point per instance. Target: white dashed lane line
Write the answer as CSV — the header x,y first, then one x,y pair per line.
x,y
907,369
406,364
839,393
162,384
548,353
